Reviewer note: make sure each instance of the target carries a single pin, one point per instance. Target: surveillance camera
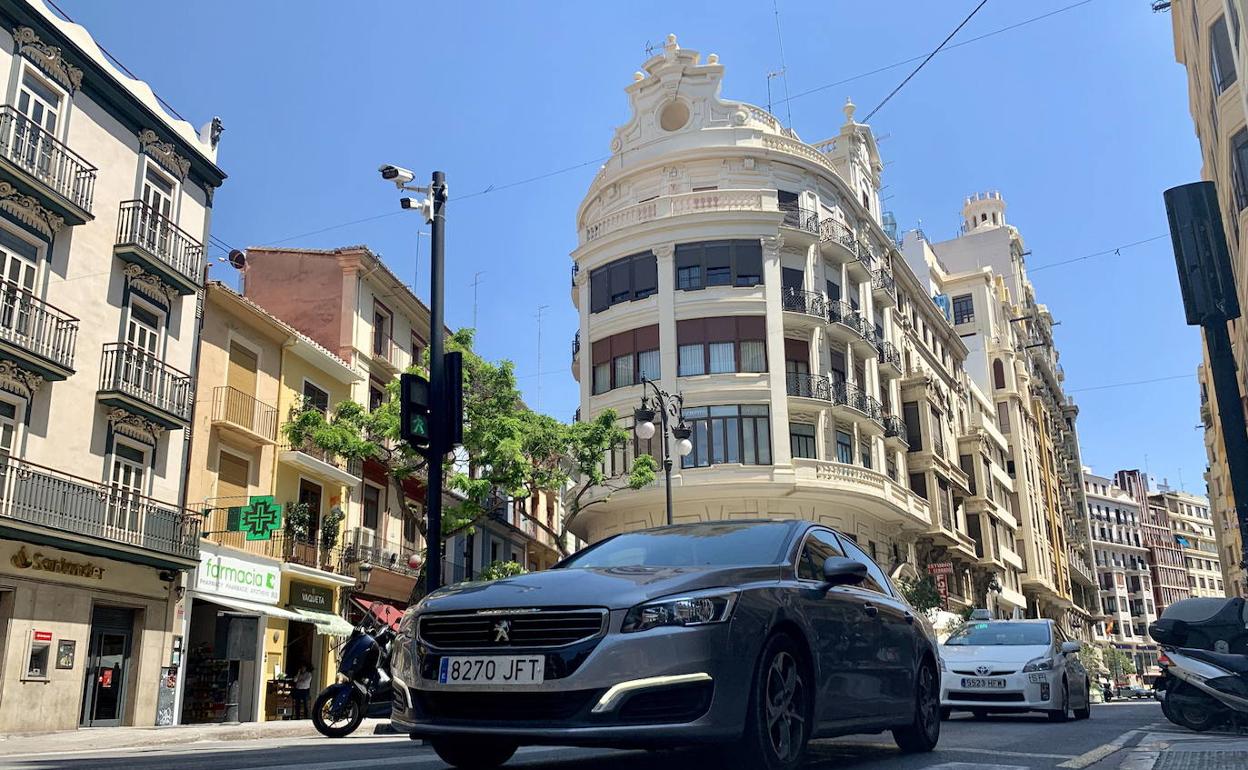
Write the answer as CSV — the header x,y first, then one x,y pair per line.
x,y
423,205
400,176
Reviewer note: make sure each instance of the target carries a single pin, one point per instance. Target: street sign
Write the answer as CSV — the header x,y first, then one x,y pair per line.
x,y
942,588
260,517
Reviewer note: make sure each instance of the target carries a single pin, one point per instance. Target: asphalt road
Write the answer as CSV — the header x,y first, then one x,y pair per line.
x,y
998,743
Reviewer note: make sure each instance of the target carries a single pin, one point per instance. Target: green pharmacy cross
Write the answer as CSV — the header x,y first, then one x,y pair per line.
x,y
260,517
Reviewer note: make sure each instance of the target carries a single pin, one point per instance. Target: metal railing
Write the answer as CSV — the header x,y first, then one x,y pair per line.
x,y
362,545
802,301
37,327
809,385
869,332
294,548
49,498
843,313
889,354
802,219
576,270
895,427
831,230
866,256
576,344
26,145
353,467
140,225
137,373
885,281
859,399
244,410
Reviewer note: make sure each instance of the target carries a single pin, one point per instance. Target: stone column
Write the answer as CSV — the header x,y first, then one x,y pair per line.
x,y
781,456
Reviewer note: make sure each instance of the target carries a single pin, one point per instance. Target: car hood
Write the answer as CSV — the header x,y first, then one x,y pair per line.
x,y
1016,655
611,587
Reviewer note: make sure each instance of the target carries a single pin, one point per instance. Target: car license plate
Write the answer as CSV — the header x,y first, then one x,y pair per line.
x,y
981,684
493,670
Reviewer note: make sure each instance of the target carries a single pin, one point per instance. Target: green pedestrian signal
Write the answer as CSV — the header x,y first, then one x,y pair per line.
x,y
414,410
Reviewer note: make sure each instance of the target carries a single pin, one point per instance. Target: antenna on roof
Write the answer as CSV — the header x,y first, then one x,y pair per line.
x,y
540,309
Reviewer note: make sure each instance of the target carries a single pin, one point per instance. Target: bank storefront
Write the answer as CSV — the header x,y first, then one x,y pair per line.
x,y
84,639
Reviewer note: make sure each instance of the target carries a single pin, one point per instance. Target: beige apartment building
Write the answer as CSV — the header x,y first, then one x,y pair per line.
x,y
980,278
1194,529
725,259
105,204
1209,40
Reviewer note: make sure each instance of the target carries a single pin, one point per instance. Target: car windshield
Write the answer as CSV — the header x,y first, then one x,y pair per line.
x,y
702,545
1007,634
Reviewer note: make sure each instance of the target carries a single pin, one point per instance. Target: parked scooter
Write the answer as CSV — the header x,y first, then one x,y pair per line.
x,y
1205,662
363,686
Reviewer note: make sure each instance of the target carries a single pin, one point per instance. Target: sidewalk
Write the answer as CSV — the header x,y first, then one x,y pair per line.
x,y
106,738
1188,751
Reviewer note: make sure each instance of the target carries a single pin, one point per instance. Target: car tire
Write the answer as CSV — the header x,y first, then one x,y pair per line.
x,y
1086,711
1062,714
923,732
779,712
475,753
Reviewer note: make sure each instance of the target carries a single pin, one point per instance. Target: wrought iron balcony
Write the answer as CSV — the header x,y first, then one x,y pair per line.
x,y
155,243
866,257
363,546
232,406
889,356
806,385
831,231
802,219
576,344
895,427
884,284
576,270
802,301
37,333
136,380
116,519
857,398
840,312
326,465
44,165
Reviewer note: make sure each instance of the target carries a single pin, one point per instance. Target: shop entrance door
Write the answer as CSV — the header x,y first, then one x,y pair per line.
x,y
108,664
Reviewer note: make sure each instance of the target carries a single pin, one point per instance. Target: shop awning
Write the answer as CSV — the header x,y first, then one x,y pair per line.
x,y
388,614
326,623
242,605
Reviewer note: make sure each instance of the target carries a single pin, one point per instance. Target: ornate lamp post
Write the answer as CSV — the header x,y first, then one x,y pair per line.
x,y
668,405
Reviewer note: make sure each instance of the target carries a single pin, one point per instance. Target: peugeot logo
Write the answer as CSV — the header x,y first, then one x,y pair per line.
x,y
502,631
983,670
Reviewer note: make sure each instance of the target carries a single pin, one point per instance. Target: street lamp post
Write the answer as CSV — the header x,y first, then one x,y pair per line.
x,y
643,423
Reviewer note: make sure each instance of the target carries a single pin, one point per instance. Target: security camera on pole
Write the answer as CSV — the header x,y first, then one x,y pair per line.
x,y
431,411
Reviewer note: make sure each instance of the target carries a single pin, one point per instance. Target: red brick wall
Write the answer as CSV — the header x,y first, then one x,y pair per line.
x,y
303,289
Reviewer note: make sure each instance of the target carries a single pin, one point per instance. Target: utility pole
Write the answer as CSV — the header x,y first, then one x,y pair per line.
x,y
438,422
540,309
1208,287
476,281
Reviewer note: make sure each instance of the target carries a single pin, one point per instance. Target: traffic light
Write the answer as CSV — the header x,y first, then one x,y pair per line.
x,y
454,372
414,411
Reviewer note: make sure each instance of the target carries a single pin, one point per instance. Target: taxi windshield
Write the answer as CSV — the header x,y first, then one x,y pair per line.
x,y
1005,634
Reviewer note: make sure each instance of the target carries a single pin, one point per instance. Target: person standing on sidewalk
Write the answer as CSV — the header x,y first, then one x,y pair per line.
x,y
301,691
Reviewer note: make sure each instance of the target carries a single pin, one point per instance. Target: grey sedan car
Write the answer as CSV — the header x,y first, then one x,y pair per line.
x,y
746,638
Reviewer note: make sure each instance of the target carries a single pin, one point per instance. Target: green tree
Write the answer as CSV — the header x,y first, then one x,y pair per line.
x,y
921,593
512,451
501,569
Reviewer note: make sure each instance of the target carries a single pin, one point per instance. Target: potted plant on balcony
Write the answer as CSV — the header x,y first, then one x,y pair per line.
x,y
330,523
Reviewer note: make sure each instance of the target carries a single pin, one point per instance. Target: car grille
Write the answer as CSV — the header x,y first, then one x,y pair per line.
x,y
548,628
987,697
994,672
505,706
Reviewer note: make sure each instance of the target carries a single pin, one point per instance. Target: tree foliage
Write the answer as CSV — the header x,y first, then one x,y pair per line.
x,y
512,451
501,569
921,593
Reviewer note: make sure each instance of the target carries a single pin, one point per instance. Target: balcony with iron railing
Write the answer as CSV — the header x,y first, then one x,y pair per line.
x,y
862,267
860,401
868,340
135,380
805,385
884,287
363,546
155,243
889,358
324,465
36,333
895,428
808,303
48,504
385,353
803,220
838,240
41,165
844,320
244,414
220,526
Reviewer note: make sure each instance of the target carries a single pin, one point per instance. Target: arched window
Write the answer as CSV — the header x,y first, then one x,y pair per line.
x,y
998,374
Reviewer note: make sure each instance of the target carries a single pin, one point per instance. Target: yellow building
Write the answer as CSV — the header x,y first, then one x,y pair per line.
x,y
267,596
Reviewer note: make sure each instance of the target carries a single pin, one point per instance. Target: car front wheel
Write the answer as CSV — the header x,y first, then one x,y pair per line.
x,y
1062,714
777,723
923,732
1086,711
474,753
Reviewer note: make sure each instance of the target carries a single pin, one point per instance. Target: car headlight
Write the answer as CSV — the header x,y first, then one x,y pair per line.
x,y
1039,664
943,667
693,609
407,626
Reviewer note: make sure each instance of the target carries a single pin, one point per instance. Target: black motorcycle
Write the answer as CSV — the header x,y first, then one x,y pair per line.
x,y
363,686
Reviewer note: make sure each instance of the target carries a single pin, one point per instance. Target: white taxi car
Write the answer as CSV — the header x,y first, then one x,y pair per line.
x,y
1013,665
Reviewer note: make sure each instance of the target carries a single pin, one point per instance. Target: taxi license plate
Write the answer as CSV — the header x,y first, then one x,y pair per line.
x,y
981,684
492,670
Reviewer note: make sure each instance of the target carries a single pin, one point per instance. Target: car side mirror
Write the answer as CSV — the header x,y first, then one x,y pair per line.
x,y
1069,647
840,571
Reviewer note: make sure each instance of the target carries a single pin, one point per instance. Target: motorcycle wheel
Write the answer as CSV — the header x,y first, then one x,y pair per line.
x,y
1191,708
339,724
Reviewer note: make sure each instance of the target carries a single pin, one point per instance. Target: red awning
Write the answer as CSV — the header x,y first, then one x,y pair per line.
x,y
386,613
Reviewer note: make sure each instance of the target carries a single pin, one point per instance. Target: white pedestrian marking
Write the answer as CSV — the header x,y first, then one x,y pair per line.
x,y
1100,752
973,766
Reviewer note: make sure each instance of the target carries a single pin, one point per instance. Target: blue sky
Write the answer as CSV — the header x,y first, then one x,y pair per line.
x,y
1080,119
